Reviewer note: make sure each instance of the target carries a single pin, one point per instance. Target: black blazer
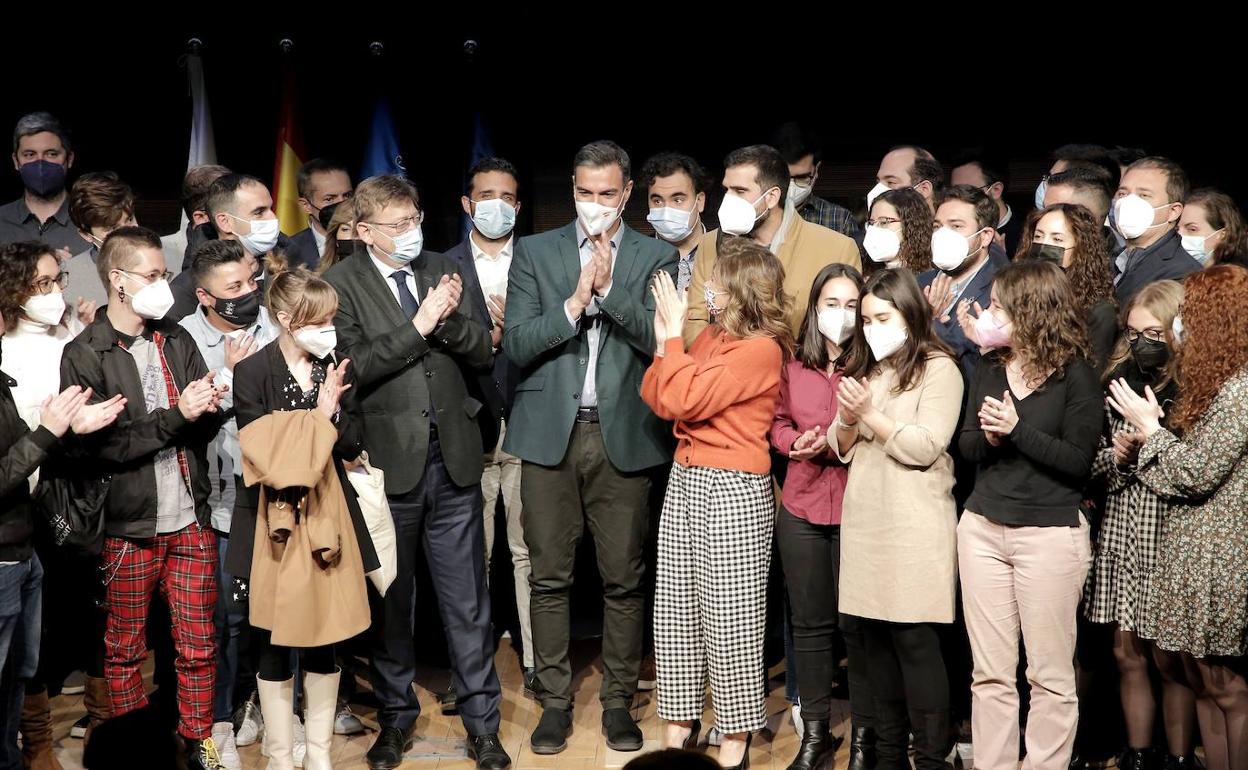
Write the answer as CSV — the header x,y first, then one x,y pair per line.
x,y
1165,259
401,375
258,382
497,387
301,250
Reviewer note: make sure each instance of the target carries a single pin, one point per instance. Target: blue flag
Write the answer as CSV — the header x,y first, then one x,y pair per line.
x,y
382,155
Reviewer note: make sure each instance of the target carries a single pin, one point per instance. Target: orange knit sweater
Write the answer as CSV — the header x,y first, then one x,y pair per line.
x,y
722,396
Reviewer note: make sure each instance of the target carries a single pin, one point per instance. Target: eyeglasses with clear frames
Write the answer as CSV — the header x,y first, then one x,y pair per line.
x,y
151,277
883,221
401,226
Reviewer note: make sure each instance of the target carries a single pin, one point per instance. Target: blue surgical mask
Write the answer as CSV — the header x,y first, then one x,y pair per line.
x,y
494,218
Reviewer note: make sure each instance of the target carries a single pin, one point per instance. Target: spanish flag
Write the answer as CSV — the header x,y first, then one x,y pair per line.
x,y
290,154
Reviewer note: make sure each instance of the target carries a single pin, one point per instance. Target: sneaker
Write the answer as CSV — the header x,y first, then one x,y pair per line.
x,y
227,750
202,755
248,723
795,713
79,730
647,679
75,684
346,722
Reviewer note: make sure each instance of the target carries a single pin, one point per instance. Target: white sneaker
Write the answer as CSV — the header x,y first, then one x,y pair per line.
x,y
798,726
346,722
75,684
300,748
250,723
227,749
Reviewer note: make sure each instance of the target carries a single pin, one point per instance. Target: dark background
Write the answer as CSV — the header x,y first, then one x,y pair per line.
x,y
650,82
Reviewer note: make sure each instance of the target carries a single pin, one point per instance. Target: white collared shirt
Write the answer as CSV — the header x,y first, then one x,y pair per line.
x,y
386,271
491,271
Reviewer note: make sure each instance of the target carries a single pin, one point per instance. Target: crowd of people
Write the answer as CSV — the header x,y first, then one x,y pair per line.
x,y
967,434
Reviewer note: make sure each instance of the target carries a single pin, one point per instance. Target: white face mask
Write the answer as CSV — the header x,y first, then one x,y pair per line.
x,y
951,249
1134,216
836,323
494,218
884,340
672,225
263,235
407,246
1195,245
1041,190
45,309
879,189
597,218
737,216
799,194
318,341
881,243
153,300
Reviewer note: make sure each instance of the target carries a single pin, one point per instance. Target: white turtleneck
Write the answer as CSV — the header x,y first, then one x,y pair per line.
x,y
32,356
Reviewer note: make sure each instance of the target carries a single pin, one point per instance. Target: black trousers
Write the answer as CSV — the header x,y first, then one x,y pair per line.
x,y
911,690
811,557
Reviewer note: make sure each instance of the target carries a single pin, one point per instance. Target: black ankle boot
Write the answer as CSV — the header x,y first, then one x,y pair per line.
x,y
1181,763
818,745
1136,759
862,749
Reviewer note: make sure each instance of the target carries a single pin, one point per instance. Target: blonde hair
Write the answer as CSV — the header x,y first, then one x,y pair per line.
x,y
754,281
299,293
1162,299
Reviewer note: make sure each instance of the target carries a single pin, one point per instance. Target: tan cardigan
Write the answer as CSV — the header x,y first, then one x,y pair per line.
x,y
807,249
898,519
307,575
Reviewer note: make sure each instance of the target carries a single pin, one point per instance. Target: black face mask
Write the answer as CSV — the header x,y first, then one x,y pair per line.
x,y
343,248
326,214
239,311
1048,252
1149,355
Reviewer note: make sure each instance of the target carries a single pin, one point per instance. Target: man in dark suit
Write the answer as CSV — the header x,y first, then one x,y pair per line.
x,y
1147,208
580,325
320,183
399,322
492,201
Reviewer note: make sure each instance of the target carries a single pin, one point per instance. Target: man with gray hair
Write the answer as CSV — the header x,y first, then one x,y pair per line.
x,y
580,326
42,155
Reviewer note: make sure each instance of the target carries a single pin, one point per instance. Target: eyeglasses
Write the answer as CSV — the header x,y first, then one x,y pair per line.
x,y
401,226
151,277
44,285
883,221
1155,335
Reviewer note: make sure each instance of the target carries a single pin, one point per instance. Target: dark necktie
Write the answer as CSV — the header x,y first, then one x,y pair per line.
x,y
406,300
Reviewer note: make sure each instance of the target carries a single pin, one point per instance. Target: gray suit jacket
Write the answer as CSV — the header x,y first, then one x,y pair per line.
x,y
553,356
401,375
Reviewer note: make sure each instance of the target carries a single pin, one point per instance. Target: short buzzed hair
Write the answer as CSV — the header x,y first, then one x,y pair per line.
x,y
121,249
224,190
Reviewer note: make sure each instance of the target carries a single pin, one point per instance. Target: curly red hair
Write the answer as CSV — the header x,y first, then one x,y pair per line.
x,y
1215,339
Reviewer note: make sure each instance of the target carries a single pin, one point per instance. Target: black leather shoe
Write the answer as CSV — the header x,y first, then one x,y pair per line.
x,y
551,735
818,745
449,702
530,683
489,753
744,764
862,749
621,730
691,743
1181,763
388,750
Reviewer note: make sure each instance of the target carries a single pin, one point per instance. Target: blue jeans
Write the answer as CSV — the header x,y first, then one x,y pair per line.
x,y
21,606
233,634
